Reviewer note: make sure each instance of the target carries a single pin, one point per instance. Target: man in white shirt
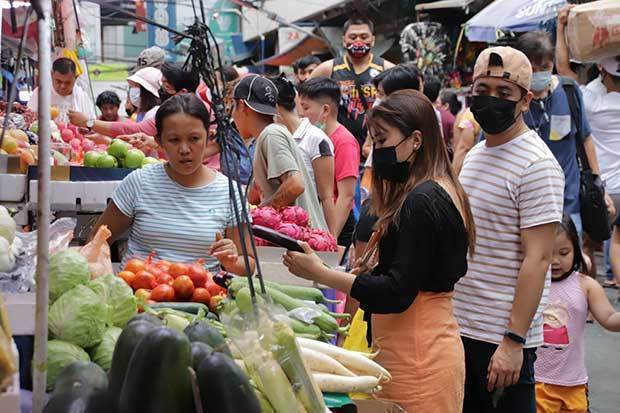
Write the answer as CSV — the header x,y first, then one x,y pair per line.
x,y
66,95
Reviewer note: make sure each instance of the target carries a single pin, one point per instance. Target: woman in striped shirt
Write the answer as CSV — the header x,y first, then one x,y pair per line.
x,y
180,209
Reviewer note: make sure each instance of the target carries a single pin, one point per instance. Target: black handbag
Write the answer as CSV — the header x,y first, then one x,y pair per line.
x,y
594,215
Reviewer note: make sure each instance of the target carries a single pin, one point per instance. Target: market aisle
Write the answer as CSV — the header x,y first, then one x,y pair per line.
x,y
603,361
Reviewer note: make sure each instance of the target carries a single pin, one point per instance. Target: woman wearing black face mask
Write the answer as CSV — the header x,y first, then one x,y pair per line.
x,y
422,239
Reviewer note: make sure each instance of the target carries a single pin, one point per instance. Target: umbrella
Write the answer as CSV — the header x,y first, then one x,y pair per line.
x,y
511,15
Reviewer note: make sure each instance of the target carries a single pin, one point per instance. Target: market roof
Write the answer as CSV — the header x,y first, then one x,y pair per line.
x,y
444,4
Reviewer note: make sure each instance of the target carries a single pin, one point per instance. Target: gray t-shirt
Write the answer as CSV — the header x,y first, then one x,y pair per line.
x,y
277,153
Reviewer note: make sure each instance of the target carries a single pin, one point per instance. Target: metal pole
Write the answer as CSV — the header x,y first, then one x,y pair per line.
x,y
43,210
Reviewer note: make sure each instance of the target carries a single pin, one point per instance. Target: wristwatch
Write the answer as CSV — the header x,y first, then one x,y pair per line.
x,y
514,337
89,124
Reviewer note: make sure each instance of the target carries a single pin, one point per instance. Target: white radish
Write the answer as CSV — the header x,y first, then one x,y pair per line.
x,y
241,365
322,363
343,384
349,359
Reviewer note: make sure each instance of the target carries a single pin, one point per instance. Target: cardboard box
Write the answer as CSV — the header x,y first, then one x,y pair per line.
x,y
593,30
377,406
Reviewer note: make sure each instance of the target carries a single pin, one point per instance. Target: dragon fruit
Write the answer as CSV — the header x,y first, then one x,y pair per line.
x,y
290,229
320,240
296,215
260,242
266,217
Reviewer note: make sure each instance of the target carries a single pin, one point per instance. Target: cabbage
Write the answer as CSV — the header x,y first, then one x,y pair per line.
x,y
102,352
59,355
118,298
78,317
68,268
7,225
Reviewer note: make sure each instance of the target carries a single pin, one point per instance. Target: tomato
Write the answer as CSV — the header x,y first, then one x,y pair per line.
x,y
177,269
183,287
163,292
135,265
155,270
144,279
128,276
214,289
198,274
165,279
201,295
164,265
214,301
143,293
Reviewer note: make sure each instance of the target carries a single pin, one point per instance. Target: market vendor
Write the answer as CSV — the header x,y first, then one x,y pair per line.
x,y
180,209
66,95
425,229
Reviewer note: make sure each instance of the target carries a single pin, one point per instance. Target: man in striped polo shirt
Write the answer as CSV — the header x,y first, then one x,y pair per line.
x,y
515,187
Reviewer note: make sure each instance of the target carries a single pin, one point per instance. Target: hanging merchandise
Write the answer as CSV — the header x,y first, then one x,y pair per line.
x,y
427,45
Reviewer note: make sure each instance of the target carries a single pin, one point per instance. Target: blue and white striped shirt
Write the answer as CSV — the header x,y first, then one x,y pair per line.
x,y
176,222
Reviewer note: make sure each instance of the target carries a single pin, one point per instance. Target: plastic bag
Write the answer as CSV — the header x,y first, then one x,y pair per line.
x,y
357,341
97,253
21,278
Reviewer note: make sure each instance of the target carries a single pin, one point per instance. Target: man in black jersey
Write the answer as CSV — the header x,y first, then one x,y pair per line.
x,y
354,73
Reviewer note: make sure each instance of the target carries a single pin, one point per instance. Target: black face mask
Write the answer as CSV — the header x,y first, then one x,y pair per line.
x,y
494,115
386,165
163,95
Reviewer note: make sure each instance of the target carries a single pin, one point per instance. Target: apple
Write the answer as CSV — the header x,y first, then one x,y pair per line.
x,y
107,161
149,160
134,159
118,148
67,135
10,145
91,158
88,145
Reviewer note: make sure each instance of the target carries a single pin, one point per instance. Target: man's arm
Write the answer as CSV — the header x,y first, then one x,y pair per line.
x,y
537,242
590,149
323,167
562,62
367,146
323,70
466,140
346,194
291,186
614,252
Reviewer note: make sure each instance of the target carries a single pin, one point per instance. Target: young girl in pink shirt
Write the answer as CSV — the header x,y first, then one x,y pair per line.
x,y
561,376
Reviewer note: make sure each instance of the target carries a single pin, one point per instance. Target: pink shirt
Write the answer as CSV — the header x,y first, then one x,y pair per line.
x,y
346,156
561,360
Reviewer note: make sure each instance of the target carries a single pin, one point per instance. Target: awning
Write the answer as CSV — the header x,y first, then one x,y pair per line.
x,y
510,15
444,4
306,46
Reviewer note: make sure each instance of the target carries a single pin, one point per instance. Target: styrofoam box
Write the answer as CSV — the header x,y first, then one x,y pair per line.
x,y
270,259
76,196
12,187
21,218
9,400
21,309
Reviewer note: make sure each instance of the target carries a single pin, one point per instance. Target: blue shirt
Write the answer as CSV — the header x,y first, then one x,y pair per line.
x,y
239,156
176,222
551,119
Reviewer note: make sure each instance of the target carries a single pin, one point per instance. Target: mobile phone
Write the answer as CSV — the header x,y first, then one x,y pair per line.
x,y
276,238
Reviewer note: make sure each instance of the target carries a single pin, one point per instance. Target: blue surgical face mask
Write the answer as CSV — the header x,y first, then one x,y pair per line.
x,y
540,80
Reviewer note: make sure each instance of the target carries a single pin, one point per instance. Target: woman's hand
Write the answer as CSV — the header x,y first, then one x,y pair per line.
x,y
306,265
224,250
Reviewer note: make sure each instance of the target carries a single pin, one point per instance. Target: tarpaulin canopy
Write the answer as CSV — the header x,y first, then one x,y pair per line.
x,y
510,15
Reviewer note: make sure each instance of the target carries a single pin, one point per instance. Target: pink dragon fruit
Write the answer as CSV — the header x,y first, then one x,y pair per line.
x,y
267,217
292,230
296,215
320,240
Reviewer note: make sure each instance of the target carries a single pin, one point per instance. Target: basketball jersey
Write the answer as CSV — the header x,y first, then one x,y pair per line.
x,y
353,107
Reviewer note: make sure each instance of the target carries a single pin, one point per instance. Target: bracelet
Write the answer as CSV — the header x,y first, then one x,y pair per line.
x,y
514,337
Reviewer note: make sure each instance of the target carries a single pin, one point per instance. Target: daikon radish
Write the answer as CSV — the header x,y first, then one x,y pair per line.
x,y
353,361
241,365
344,384
322,363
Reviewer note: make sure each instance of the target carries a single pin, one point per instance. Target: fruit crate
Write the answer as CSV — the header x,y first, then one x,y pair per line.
x,y
75,196
21,309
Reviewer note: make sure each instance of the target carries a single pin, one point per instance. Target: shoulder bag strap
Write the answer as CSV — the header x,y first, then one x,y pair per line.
x,y
573,103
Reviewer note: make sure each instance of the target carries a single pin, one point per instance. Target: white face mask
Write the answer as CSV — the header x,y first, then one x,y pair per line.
x,y
134,96
376,103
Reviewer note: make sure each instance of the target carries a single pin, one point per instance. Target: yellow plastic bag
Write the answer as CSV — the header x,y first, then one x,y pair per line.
x,y
356,341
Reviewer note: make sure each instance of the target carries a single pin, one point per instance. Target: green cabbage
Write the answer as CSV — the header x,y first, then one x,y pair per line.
x,y
78,317
68,268
59,355
102,352
118,298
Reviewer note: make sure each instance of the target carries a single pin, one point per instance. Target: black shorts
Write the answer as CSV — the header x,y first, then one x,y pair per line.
x,y
520,398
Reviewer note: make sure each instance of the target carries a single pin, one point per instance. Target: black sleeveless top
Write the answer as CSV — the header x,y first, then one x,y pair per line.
x,y
353,107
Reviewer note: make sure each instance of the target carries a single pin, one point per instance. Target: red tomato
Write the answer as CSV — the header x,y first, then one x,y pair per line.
x,y
155,270
163,292
214,289
198,274
165,279
177,269
201,295
164,265
135,265
144,279
143,293
183,287
128,276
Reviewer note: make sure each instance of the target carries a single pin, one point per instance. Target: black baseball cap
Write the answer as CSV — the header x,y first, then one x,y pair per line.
x,y
259,93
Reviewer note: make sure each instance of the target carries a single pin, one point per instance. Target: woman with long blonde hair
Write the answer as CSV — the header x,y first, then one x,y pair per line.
x,y
424,231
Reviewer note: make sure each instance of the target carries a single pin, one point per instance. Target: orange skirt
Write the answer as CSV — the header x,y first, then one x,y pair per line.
x,y
423,351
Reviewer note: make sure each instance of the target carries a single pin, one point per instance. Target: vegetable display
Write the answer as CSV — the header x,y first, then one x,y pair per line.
x,y
68,268
59,355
